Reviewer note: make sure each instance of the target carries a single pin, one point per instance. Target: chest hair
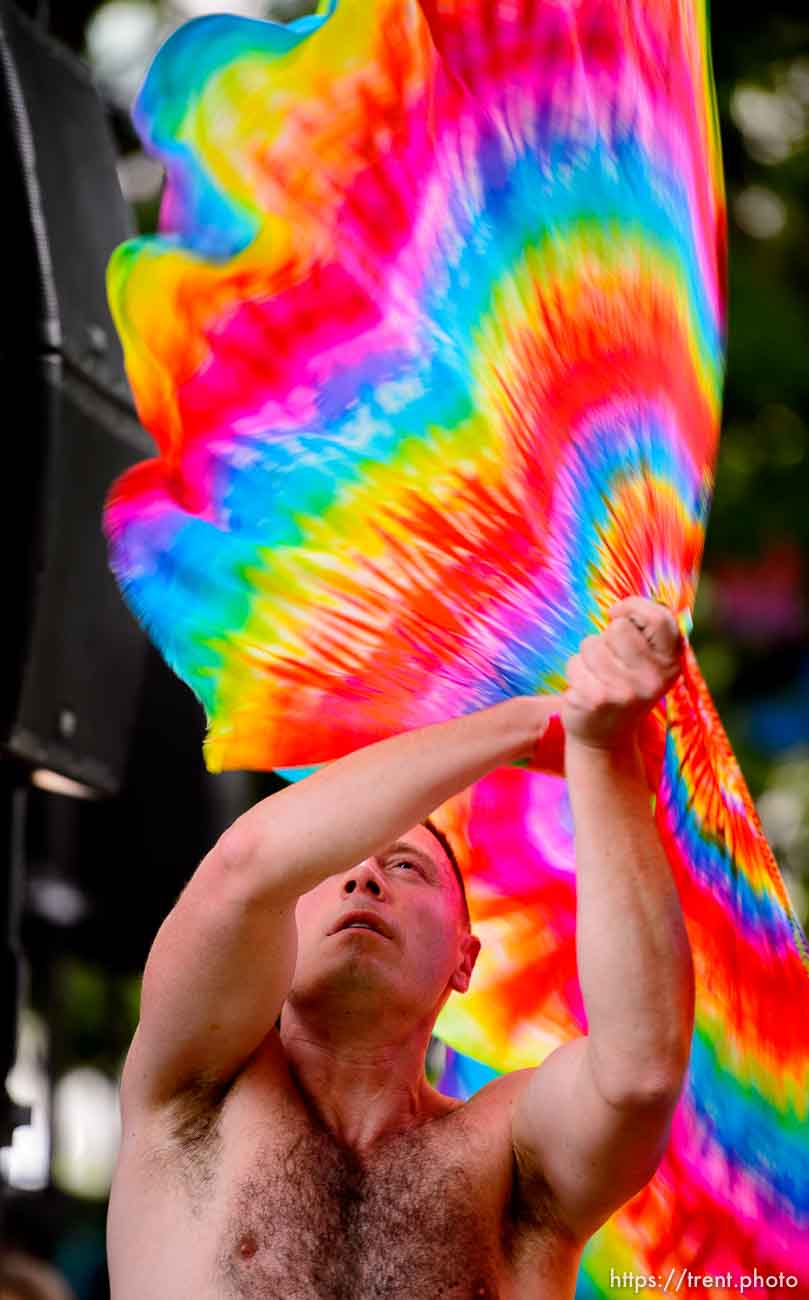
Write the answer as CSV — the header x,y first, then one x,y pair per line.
x,y
313,1222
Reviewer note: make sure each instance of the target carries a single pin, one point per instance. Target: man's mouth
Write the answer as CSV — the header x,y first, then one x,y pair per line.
x,y
362,921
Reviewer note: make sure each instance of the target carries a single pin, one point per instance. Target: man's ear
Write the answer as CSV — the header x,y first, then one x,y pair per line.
x,y
470,947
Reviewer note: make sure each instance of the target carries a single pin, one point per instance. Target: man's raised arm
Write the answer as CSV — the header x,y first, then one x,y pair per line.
x,y
352,807
593,1119
223,960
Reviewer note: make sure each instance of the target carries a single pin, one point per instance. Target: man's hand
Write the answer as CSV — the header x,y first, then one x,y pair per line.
x,y
618,675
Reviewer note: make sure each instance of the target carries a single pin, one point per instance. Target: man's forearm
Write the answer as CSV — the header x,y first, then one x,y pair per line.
x,y
634,958
352,807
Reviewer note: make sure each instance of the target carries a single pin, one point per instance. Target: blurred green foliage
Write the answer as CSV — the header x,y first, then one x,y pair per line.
x,y
96,1012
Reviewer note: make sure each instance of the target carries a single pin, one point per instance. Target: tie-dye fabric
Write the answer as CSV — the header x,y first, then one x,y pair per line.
x,y
431,345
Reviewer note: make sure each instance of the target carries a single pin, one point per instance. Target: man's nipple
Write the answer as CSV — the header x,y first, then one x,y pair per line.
x,y
247,1245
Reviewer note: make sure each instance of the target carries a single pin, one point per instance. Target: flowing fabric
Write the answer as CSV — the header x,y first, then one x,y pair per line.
x,y
431,345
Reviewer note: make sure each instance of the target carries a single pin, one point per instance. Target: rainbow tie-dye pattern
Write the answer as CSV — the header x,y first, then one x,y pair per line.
x,y
431,345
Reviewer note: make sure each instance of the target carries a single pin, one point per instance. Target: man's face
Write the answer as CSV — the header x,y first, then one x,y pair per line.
x,y
420,949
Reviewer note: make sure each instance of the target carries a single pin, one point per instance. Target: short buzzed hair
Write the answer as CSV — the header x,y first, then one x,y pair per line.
x,y
430,826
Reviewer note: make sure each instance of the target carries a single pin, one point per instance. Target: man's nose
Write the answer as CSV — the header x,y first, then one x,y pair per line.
x,y
365,878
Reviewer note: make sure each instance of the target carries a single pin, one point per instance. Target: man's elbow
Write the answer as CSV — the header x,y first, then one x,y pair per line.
x,y
644,1064
655,1086
654,1076
643,1075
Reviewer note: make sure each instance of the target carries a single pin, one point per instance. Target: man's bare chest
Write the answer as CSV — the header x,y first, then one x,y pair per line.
x,y
255,1200
309,1221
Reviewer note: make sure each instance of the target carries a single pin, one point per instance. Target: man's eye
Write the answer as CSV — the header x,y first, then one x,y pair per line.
x,y
403,862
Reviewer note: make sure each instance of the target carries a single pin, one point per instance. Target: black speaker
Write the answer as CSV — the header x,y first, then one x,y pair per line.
x,y
68,695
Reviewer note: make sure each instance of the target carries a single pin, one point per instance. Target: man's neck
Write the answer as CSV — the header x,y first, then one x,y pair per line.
x,y
363,1085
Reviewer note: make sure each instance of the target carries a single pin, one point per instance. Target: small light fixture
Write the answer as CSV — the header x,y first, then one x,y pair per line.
x,y
56,900
24,1164
87,1133
44,778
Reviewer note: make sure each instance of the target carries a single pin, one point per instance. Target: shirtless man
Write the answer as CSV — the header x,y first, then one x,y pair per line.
x,y
315,1161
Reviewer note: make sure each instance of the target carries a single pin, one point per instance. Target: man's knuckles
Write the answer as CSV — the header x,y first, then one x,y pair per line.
x,y
655,621
620,679
605,662
599,690
619,674
592,652
624,643
627,641
660,628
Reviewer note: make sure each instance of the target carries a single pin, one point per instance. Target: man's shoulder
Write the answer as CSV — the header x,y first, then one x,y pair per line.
x,y
501,1092
496,1095
482,1122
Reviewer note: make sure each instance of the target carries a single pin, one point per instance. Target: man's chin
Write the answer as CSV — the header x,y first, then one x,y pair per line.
x,y
358,974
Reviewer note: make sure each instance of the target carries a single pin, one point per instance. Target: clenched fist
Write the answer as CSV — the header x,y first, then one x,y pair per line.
x,y
618,675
